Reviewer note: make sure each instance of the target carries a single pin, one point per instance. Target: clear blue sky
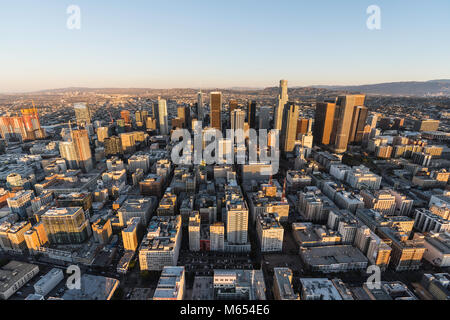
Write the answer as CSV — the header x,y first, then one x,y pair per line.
x,y
218,43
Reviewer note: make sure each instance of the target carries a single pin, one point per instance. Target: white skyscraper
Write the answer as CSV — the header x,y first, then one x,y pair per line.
x,y
237,119
282,100
237,221
163,120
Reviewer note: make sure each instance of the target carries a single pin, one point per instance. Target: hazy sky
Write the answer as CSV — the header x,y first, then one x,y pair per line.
x,y
220,43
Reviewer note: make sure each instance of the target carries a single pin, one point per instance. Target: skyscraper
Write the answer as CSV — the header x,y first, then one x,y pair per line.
x,y
200,110
237,119
232,104
80,139
343,117
125,115
82,113
251,114
264,117
216,110
358,124
289,127
162,117
68,152
102,133
282,100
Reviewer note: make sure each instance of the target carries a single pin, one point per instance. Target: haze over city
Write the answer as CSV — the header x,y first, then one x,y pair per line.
x,y
207,44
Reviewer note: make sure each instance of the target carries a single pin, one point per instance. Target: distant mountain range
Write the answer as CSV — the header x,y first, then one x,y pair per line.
x,y
410,88
432,88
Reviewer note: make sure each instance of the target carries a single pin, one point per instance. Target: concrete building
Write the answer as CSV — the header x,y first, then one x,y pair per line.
x,y
48,282
171,284
14,275
270,232
361,177
426,221
161,246
102,230
137,207
66,225
194,231
375,249
318,289
239,285
131,234
437,249
406,254
282,285
217,236
338,258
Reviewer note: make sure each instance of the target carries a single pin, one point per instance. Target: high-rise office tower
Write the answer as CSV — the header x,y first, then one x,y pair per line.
x,y
358,124
200,110
82,113
162,117
323,122
68,152
237,119
282,100
80,139
372,120
216,110
343,117
66,225
289,127
125,115
102,133
233,104
303,126
184,115
264,117
251,114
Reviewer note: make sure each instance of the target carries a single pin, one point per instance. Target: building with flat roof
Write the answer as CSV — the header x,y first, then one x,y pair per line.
x,y
437,249
375,220
48,282
93,288
270,232
406,254
168,204
361,177
338,258
171,284
318,289
161,246
375,249
309,235
14,275
239,285
438,284
137,207
66,225
131,234
426,221
395,290
282,285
